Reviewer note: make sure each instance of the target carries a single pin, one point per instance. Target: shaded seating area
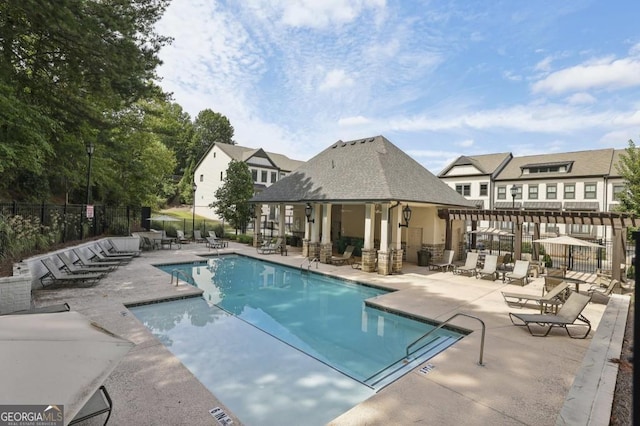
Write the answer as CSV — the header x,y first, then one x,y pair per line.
x,y
213,242
347,257
470,265
444,264
566,317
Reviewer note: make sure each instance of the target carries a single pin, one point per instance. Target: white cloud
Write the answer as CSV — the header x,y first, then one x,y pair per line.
x,y
335,79
316,14
353,121
544,65
465,143
600,74
581,98
509,75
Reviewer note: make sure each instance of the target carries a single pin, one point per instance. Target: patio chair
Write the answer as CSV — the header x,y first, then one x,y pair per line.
x,y
147,243
99,254
99,403
197,236
490,267
347,257
555,298
213,242
520,272
181,238
87,262
567,315
470,265
73,268
55,275
109,249
603,293
445,263
270,248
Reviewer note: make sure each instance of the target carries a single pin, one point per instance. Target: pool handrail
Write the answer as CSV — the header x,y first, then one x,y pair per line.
x,y
442,324
177,273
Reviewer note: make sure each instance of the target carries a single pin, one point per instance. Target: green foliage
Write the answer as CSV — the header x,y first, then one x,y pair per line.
x,y
233,196
20,236
243,238
208,128
219,230
629,169
68,69
548,262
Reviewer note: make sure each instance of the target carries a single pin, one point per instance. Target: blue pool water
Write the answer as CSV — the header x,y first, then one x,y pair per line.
x,y
321,317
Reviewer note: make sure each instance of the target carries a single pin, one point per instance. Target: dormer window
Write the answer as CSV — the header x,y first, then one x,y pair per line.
x,y
555,167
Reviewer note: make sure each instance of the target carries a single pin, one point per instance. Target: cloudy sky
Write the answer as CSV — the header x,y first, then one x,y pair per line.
x,y
438,78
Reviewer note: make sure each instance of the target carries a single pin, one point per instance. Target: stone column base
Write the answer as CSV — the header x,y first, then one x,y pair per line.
x,y
326,250
369,260
384,263
396,265
313,250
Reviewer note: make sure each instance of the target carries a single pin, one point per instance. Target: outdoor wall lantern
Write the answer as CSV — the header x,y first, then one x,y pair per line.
x,y
406,216
514,193
252,211
307,212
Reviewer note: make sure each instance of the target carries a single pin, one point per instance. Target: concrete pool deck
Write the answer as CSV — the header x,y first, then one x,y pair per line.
x,y
524,380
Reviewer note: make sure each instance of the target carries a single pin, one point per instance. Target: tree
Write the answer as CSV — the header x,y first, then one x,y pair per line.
x,y
67,68
232,197
208,128
629,169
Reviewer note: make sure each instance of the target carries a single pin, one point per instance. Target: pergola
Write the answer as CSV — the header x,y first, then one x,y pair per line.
x,y
619,222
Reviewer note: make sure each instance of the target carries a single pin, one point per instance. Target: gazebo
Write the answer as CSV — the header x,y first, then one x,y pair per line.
x,y
370,189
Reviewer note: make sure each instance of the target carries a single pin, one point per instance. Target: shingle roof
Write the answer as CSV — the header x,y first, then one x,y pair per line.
x,y
585,163
241,153
486,164
370,169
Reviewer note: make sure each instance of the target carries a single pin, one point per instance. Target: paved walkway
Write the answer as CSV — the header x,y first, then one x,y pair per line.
x,y
524,380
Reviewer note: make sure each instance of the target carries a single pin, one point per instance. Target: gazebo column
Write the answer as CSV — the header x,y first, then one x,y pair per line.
x,y
326,247
281,225
384,254
517,254
618,255
369,250
313,244
396,231
257,235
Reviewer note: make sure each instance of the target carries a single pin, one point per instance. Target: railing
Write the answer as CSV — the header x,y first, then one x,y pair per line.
x,y
176,273
447,321
309,262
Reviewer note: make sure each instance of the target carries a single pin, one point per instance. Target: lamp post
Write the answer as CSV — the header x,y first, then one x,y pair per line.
x,y
514,193
193,213
90,148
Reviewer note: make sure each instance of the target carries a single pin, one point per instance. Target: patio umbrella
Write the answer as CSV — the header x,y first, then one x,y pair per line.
x,y
55,359
567,241
163,218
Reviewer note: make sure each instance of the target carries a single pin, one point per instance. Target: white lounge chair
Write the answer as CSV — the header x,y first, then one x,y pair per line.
x,y
470,265
445,263
347,257
520,272
489,268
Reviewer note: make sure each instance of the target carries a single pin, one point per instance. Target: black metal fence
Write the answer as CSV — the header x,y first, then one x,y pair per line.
x,y
574,258
66,222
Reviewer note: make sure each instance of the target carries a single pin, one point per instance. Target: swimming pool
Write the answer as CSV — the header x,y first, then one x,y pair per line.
x,y
324,317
